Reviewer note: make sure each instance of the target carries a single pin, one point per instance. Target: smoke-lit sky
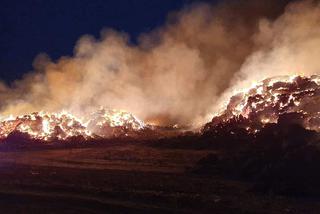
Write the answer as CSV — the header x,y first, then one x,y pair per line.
x,y
28,27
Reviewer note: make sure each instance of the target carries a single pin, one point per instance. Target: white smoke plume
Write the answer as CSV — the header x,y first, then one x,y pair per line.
x,y
290,45
178,73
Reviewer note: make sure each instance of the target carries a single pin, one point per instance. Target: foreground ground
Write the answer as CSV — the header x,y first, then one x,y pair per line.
x,y
127,178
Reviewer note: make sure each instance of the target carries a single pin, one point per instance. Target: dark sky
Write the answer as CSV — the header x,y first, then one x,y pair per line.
x,y
29,27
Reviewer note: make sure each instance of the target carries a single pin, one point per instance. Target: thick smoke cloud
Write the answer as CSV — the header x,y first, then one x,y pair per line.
x,y
289,45
179,73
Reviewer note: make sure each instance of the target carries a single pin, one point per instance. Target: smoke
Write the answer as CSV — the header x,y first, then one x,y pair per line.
x,y
290,45
178,73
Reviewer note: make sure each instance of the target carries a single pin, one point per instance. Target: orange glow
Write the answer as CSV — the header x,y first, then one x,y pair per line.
x,y
63,125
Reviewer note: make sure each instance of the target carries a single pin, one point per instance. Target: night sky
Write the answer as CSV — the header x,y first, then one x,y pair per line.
x,y
30,27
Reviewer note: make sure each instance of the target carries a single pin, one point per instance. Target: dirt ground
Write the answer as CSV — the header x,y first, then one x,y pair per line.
x,y
127,178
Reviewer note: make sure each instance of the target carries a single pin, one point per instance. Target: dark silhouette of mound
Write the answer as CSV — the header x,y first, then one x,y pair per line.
x,y
18,138
282,158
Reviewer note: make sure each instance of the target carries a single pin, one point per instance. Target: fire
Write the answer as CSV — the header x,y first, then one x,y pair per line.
x,y
266,101
63,125
45,126
116,118
107,123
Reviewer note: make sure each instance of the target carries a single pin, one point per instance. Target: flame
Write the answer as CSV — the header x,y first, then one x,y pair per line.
x,y
45,126
267,100
107,123
262,103
63,125
115,118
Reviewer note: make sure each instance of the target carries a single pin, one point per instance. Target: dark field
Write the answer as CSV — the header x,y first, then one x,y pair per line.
x,y
128,177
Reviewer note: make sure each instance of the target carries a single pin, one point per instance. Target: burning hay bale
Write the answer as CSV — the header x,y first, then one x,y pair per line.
x,y
44,126
65,126
113,123
271,99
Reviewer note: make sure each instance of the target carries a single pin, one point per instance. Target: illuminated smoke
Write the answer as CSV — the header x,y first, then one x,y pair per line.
x,y
179,73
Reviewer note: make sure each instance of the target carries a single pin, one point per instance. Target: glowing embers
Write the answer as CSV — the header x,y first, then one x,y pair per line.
x,y
61,126
107,123
45,126
269,99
